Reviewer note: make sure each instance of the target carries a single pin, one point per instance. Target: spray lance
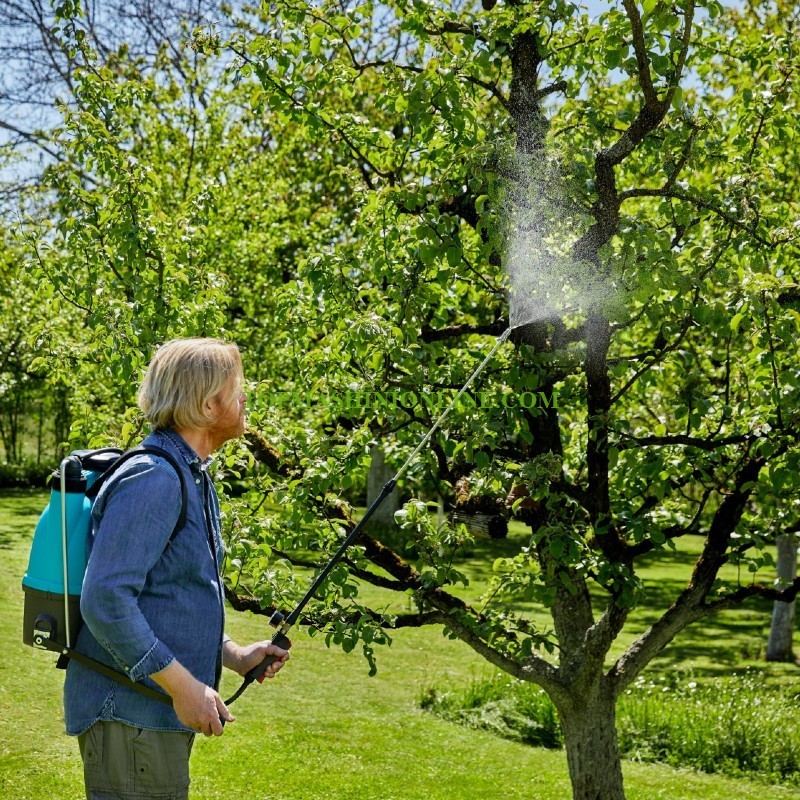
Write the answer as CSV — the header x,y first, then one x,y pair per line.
x,y
285,623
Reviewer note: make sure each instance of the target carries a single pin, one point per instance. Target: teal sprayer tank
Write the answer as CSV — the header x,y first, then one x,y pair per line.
x,y
43,583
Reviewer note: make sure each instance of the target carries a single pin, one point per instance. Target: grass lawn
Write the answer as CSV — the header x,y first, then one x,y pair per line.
x,y
324,729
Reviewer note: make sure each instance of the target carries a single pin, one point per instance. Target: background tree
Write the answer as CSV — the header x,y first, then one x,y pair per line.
x,y
33,408
162,205
781,632
69,89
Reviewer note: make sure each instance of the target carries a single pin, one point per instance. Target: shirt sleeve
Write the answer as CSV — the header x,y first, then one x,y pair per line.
x,y
141,508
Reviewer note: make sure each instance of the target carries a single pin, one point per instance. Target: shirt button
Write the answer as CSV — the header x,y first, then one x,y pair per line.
x,y
197,480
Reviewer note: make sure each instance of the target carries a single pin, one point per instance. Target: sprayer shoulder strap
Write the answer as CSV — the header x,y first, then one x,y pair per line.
x,y
67,653
137,451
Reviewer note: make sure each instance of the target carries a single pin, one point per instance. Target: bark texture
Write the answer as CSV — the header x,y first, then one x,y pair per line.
x,y
590,737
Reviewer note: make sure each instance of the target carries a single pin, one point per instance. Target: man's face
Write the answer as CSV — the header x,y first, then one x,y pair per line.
x,y
229,409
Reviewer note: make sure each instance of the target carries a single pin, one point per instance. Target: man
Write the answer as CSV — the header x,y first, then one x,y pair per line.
x,y
153,603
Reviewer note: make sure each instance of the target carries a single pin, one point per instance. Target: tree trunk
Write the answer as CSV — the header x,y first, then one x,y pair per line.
x,y
590,739
379,473
779,646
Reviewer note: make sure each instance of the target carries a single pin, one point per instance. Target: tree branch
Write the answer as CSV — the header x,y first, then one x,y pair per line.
x,y
265,453
705,205
690,605
406,577
766,591
535,669
682,440
436,335
640,49
724,522
598,388
650,116
647,646
558,86
405,620
453,26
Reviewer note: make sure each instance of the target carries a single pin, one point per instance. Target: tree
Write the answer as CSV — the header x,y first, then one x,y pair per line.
x,y
32,406
675,396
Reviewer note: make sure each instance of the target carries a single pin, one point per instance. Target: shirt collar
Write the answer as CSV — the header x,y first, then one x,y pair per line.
x,y
183,448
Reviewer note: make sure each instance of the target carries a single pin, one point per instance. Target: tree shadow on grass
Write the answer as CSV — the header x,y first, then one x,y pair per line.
x,y
716,645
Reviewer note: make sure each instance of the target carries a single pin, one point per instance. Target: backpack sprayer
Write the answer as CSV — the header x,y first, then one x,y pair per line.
x,y
285,623
52,616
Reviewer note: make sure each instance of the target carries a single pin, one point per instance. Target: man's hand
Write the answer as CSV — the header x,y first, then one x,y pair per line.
x,y
198,706
243,659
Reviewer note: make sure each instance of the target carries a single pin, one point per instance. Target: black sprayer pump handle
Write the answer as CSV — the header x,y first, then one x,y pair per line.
x,y
257,673
281,640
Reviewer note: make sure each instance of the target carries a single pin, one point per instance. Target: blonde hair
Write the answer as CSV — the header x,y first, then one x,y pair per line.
x,y
182,377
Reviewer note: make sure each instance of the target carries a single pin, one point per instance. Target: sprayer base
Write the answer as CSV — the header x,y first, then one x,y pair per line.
x,y
48,604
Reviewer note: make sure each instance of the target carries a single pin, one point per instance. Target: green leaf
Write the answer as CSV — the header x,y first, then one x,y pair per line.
x,y
453,256
612,58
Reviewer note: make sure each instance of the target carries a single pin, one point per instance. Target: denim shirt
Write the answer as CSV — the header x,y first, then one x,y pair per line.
x,y
145,604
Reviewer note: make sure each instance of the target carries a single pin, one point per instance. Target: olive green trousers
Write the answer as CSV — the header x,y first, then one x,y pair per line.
x,y
121,762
